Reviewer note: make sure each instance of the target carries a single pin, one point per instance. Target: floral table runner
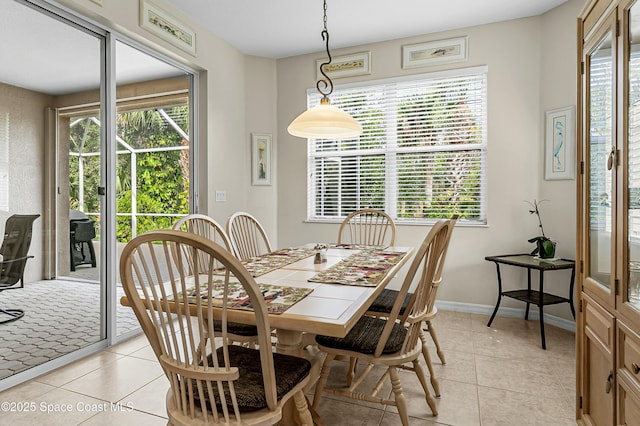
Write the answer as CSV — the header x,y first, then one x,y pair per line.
x,y
277,259
365,268
277,298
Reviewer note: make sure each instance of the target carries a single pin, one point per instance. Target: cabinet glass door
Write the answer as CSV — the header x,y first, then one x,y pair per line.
x,y
600,161
633,157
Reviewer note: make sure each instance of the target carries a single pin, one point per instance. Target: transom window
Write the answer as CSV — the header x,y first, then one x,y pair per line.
x,y
421,155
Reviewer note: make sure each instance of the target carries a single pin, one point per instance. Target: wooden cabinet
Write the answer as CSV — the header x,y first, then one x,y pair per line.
x,y
608,185
598,363
628,376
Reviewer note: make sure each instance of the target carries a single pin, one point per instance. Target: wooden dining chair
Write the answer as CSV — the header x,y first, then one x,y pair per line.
x,y
204,226
208,228
383,305
367,227
211,380
392,341
248,237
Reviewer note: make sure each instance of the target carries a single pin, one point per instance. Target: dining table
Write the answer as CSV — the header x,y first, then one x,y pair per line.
x,y
338,291
341,289
313,289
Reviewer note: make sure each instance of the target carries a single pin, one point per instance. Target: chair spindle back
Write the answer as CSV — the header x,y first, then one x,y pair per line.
x,y
248,237
367,227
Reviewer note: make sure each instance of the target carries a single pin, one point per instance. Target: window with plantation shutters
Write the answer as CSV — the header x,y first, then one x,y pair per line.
x,y
421,155
601,141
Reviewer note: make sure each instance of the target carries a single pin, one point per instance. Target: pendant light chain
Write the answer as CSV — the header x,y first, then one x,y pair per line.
x,y
324,20
325,86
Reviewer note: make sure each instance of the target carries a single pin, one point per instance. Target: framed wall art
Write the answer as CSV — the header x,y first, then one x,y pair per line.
x,y
434,53
167,27
346,65
560,142
260,159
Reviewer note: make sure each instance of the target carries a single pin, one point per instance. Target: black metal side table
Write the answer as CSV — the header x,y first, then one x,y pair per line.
x,y
529,296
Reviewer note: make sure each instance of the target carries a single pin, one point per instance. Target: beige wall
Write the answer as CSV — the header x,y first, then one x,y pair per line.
x,y
261,112
224,124
559,89
531,68
25,110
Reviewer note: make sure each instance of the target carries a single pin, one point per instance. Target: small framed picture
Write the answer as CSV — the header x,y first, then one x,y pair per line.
x,y
345,66
260,159
434,53
167,27
560,142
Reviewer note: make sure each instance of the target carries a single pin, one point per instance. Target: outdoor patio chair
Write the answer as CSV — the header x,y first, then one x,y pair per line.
x,y
393,341
211,380
82,231
14,251
248,237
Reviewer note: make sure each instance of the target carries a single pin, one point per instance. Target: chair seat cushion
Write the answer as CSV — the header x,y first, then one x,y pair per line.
x,y
364,337
237,328
384,302
249,388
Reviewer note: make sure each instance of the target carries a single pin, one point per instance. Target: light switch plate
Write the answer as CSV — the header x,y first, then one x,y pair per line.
x,y
221,196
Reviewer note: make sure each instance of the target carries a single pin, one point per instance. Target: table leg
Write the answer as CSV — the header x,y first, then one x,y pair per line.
x,y
289,342
292,343
295,343
495,311
541,309
526,311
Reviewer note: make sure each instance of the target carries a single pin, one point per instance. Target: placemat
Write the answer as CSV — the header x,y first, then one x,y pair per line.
x,y
357,246
365,268
277,298
268,262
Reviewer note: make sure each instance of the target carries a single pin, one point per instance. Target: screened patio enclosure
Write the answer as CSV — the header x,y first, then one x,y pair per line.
x,y
152,170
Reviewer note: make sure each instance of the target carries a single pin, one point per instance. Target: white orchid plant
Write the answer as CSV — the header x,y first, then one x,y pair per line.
x,y
545,248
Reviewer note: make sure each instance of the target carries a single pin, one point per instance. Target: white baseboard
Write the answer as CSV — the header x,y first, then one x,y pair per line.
x,y
473,308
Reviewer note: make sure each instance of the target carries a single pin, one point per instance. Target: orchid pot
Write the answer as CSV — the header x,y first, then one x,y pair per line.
x,y
545,248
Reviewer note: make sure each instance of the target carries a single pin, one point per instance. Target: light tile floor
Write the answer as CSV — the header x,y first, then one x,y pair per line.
x,y
493,376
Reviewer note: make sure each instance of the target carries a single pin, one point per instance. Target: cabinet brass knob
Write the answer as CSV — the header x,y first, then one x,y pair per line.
x,y
635,368
609,384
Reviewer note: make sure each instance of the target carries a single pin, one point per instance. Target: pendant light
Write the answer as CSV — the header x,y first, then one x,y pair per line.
x,y
325,121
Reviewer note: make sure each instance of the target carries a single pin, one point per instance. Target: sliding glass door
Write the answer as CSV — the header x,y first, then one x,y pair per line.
x,y
152,169
108,159
46,63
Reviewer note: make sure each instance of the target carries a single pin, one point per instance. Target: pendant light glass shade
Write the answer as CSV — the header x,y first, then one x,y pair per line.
x,y
325,121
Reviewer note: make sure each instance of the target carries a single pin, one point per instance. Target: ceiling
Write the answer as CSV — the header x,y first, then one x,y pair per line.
x,y
70,61
283,28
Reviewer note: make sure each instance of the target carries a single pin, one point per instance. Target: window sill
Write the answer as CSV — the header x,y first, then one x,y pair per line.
x,y
459,223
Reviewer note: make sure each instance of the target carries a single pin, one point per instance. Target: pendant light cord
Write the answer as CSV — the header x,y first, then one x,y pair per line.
x,y
325,86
